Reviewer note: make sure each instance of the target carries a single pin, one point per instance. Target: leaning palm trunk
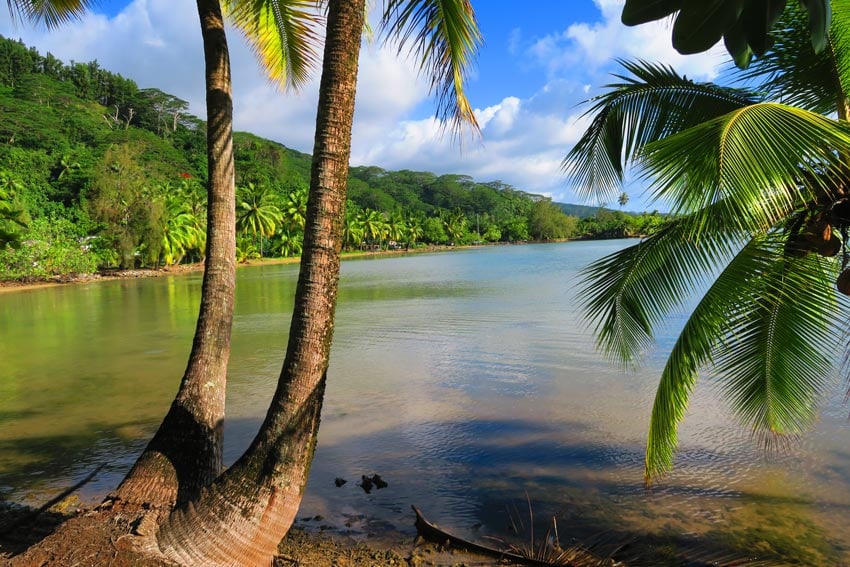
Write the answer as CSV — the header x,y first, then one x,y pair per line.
x,y
242,516
186,452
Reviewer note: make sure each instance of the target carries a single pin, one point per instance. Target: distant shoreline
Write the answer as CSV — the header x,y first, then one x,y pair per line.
x,y
111,275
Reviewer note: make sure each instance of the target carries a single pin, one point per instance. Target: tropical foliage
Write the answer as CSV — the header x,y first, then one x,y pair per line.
x,y
12,215
756,179
744,25
256,215
127,168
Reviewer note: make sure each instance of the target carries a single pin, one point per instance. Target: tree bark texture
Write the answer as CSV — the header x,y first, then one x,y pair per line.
x,y
185,454
241,518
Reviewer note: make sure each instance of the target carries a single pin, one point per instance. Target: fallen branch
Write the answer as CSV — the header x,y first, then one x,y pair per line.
x,y
432,533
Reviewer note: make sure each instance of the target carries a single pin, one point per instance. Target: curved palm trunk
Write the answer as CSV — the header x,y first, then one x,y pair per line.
x,y
241,518
185,454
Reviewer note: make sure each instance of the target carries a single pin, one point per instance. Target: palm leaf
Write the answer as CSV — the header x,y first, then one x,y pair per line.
x,y
770,323
651,103
762,161
785,342
445,38
52,13
627,294
285,36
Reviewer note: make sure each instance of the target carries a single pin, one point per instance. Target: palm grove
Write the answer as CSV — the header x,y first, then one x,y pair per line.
x,y
760,222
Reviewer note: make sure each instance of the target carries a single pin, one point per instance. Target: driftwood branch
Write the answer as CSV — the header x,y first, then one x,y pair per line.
x,y
432,533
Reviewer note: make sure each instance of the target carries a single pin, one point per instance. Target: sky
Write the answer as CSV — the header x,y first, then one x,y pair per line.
x,y
539,62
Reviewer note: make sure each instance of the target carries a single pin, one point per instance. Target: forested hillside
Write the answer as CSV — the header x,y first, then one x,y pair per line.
x,y
96,172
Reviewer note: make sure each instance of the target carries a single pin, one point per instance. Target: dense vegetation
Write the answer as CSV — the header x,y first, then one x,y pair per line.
x,y
96,172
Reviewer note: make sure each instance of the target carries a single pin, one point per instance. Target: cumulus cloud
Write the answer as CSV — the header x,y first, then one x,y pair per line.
x,y
597,44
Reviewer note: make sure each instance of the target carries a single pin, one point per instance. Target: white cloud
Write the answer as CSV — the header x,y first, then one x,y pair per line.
x,y
597,44
522,143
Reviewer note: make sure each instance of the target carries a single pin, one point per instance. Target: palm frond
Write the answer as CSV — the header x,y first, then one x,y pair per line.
x,y
786,340
651,103
284,34
52,13
762,161
445,37
627,294
770,324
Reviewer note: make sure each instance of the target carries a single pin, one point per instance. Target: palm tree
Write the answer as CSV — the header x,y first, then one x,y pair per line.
x,y
186,451
13,217
182,230
454,223
756,180
353,231
374,225
414,229
241,518
256,215
396,227
288,241
295,208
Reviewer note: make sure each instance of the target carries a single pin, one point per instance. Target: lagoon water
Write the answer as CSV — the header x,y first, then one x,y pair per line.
x,y
465,379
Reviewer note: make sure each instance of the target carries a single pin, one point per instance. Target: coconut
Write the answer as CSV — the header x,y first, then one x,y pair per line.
x,y
843,282
818,232
830,247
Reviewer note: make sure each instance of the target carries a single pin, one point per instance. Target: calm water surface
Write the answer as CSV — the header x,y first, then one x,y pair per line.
x,y
464,379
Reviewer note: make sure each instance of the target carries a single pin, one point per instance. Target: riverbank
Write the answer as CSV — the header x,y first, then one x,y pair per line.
x,y
108,275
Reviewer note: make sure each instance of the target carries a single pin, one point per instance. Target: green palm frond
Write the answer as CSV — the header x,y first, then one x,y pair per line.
x,y
762,161
628,293
52,13
650,104
786,339
285,35
445,37
736,324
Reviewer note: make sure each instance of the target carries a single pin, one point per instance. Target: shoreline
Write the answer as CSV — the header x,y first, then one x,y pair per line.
x,y
11,286
303,545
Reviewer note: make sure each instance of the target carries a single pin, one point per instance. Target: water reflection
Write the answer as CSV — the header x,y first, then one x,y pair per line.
x,y
465,379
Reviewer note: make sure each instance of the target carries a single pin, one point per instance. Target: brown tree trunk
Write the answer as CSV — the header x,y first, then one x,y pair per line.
x,y
241,518
185,454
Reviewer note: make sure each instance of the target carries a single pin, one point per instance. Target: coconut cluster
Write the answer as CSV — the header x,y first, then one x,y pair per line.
x,y
821,234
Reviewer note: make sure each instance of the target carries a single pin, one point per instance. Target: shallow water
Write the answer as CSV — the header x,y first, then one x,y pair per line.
x,y
464,379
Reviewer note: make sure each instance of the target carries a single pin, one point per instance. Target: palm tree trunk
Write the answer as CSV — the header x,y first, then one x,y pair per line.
x,y
241,518
185,454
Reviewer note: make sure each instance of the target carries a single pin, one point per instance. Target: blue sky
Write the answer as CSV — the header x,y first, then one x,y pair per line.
x,y
538,63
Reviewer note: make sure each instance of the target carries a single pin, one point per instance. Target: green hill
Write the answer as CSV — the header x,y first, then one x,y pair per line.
x,y
86,156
